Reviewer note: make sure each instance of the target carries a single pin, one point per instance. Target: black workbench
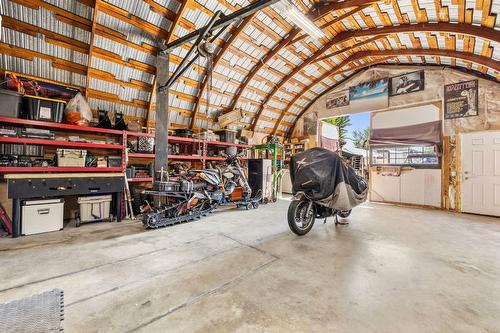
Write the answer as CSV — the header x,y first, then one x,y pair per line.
x,y
42,186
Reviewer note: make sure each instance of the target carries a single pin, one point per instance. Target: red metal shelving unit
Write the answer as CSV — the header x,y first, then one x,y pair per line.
x,y
44,142
185,157
215,158
180,139
58,169
228,144
95,130
59,126
140,155
128,133
140,180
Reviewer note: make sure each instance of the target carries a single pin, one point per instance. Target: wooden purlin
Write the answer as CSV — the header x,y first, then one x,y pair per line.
x,y
260,65
315,14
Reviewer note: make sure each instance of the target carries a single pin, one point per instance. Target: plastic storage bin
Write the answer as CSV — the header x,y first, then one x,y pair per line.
x,y
94,209
39,216
44,109
10,103
71,157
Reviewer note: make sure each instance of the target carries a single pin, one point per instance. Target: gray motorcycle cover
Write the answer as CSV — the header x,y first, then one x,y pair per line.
x,y
324,178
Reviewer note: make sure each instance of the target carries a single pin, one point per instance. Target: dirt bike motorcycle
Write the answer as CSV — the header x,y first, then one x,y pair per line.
x,y
323,186
196,193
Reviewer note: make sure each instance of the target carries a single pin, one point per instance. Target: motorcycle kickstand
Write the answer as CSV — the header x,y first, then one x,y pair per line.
x,y
324,222
337,221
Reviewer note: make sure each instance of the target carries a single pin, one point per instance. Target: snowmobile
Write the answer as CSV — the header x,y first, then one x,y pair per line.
x,y
196,193
323,186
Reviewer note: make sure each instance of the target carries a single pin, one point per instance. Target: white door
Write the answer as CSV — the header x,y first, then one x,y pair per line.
x,y
481,173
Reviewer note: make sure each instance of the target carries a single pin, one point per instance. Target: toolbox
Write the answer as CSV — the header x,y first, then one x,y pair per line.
x,y
114,161
44,109
36,133
9,132
139,171
10,103
94,209
39,216
71,157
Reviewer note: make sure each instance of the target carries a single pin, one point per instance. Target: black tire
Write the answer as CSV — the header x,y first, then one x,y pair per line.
x,y
345,213
293,211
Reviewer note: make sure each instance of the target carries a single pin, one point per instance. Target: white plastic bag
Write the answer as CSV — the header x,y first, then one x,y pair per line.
x,y
78,111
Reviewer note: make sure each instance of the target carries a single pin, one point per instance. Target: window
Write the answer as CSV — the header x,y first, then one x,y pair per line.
x,y
404,155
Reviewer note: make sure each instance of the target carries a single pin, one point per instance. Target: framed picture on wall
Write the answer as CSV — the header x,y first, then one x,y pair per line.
x,y
407,83
461,99
337,100
369,96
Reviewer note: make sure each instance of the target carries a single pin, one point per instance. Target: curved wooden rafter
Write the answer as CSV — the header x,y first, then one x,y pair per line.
x,y
260,65
477,31
316,12
335,71
219,56
466,56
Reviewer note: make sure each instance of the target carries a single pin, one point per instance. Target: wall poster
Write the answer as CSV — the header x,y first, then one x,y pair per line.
x,y
337,99
461,99
369,96
407,83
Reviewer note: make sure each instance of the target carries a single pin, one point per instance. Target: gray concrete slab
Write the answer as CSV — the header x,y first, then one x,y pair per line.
x,y
393,269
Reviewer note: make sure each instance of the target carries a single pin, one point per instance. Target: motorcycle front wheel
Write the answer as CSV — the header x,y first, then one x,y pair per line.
x,y
345,213
301,217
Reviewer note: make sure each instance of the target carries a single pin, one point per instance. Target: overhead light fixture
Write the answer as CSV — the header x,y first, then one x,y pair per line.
x,y
289,11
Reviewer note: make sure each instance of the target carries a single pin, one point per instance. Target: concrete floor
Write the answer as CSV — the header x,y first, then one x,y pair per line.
x,y
392,269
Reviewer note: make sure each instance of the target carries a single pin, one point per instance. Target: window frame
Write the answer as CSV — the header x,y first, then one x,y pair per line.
x,y
372,148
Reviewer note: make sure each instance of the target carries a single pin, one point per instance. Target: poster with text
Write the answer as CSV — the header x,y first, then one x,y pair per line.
x,y
407,83
338,99
461,99
369,96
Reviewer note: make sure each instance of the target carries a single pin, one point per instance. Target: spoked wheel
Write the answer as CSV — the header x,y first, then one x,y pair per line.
x,y
301,216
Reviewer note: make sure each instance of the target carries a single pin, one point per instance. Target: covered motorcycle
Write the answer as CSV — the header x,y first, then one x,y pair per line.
x,y
323,185
324,178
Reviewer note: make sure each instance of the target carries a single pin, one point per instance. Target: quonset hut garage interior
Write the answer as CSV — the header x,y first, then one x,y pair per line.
x,y
249,166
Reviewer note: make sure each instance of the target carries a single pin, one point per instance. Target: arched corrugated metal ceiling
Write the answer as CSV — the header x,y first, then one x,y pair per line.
x,y
263,65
